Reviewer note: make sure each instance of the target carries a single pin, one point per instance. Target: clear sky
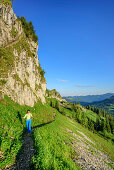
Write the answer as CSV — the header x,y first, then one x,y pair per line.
x,y
76,43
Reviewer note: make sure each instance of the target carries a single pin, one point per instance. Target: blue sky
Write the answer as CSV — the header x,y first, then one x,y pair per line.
x,y
76,43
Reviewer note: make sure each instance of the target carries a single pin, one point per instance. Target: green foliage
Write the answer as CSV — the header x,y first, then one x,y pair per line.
x,y
3,81
6,2
42,72
6,61
87,118
53,93
57,106
104,122
29,29
14,32
109,164
37,87
107,104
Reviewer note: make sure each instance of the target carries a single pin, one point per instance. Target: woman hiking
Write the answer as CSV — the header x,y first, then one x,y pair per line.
x,y
28,117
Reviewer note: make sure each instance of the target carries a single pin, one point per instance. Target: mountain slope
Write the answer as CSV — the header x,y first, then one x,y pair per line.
x,y
62,144
87,99
107,104
54,94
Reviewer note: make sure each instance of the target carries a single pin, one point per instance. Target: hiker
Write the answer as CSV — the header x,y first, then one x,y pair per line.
x,y
28,117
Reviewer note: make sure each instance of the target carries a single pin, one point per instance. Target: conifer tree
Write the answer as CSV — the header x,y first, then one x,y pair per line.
x,y
108,125
98,124
57,106
103,124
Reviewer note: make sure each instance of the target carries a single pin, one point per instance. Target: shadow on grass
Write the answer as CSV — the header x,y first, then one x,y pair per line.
x,y
19,116
27,140
43,124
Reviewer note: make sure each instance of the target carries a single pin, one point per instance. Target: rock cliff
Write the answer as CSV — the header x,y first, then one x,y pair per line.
x,y
21,77
54,94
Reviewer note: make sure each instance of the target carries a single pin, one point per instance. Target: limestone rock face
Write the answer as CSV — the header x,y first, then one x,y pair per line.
x,y
8,23
24,82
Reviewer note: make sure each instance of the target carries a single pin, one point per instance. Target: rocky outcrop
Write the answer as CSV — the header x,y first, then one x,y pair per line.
x,y
54,94
10,27
20,71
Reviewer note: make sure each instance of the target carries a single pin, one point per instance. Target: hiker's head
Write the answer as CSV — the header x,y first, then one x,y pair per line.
x,y
28,111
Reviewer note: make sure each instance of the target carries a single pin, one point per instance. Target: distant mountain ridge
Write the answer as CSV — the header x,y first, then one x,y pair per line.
x,y
107,104
88,99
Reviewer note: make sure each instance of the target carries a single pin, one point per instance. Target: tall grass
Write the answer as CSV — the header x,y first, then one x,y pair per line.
x,y
12,127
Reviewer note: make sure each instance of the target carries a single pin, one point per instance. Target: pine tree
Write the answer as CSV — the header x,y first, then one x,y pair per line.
x,y
98,124
103,124
108,125
104,113
88,107
73,107
95,109
83,119
57,106
111,122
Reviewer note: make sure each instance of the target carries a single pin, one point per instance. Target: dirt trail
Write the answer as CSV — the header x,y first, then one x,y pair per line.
x,y
27,152
88,157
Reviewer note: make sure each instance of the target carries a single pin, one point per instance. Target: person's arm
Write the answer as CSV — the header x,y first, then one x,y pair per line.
x,y
24,117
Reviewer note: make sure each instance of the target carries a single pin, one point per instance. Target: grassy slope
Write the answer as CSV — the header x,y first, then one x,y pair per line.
x,y
50,149
91,115
12,127
51,152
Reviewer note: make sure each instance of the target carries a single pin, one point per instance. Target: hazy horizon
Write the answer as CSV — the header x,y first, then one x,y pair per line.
x,y
89,94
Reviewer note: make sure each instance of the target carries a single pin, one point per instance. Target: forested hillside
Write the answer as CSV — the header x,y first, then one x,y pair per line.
x,y
107,104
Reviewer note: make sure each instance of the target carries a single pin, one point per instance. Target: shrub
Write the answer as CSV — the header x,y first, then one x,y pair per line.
x,y
3,81
42,72
14,32
29,29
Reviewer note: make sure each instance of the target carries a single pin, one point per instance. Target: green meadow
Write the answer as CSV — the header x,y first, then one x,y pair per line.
x,y
52,142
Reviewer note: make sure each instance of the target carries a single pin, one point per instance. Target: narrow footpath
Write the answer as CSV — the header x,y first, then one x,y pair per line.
x,y
27,152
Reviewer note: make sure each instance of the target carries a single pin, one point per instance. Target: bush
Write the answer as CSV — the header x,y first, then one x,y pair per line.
x,y
57,106
14,32
29,29
3,81
42,72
